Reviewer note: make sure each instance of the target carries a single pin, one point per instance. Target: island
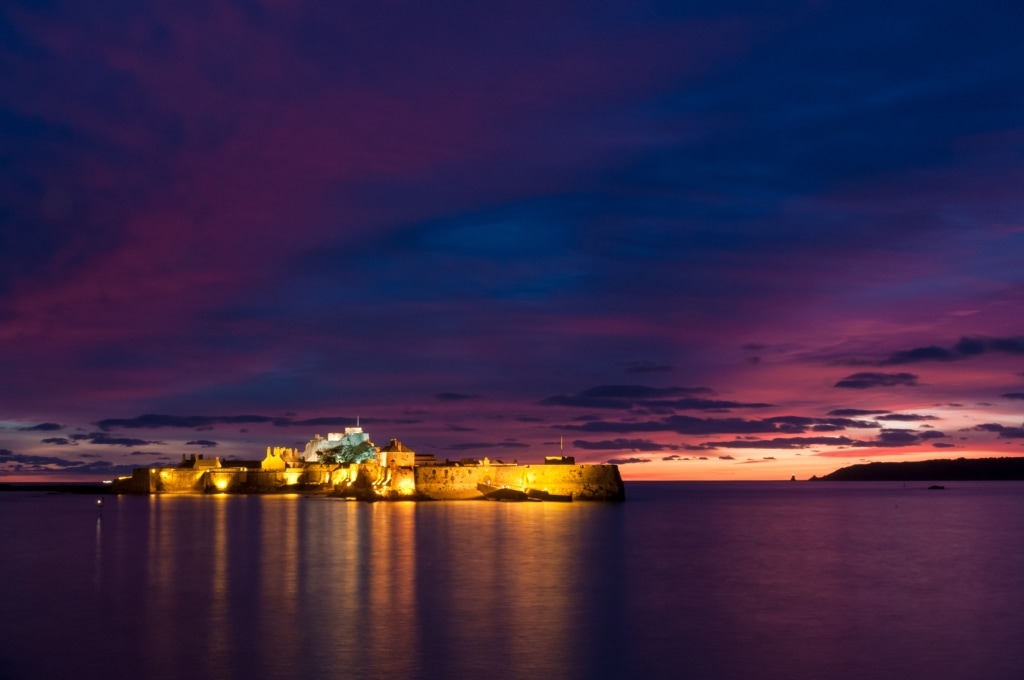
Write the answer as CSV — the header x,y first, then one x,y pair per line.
x,y
942,470
348,465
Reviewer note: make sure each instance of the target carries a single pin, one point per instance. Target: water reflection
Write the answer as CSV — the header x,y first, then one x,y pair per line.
x,y
511,586
307,584
707,581
98,559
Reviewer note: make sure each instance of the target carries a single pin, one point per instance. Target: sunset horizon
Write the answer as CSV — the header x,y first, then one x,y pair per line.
x,y
707,242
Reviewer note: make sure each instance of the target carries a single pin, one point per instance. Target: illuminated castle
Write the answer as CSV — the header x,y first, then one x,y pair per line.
x,y
348,464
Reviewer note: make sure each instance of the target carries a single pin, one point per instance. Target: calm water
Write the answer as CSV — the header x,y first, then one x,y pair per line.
x,y
693,580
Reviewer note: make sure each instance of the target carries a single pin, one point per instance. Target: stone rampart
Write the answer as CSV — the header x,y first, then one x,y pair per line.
x,y
582,482
374,481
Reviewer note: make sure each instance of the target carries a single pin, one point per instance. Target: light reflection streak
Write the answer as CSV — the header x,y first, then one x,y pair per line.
x,y
218,626
98,559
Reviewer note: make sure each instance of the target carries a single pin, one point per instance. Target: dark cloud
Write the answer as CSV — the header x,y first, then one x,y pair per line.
x,y
906,417
782,443
205,423
459,428
690,425
22,461
693,404
620,396
987,427
860,381
624,397
626,461
156,421
205,443
963,349
42,427
853,412
23,464
622,445
918,354
1003,431
59,441
943,445
104,439
1013,395
455,396
894,438
886,438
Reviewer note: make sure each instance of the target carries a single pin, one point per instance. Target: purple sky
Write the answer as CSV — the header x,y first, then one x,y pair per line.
x,y
704,240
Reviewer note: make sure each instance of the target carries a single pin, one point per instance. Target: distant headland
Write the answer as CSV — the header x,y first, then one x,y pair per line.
x,y
943,470
348,465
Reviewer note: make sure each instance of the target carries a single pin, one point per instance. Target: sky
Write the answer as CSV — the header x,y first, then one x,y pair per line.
x,y
705,240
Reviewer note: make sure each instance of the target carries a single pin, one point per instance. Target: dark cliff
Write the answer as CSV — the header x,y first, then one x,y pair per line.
x,y
960,469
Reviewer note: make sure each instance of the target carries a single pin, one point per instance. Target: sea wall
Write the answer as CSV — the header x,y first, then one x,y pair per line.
x,y
224,480
582,482
373,481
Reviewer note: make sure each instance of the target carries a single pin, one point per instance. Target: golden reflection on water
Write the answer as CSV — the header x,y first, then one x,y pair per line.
x,y
503,586
288,585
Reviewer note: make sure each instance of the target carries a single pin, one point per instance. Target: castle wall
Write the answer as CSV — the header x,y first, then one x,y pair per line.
x,y
441,482
582,482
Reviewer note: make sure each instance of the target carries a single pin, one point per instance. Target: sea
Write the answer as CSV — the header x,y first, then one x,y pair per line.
x,y
695,580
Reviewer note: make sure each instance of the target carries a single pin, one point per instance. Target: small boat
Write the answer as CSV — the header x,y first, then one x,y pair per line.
x,y
541,495
501,493
936,487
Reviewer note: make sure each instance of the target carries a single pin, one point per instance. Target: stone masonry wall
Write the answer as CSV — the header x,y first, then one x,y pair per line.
x,y
582,482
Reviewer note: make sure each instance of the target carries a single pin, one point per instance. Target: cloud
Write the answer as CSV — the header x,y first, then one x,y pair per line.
x,y
626,461
206,443
455,396
898,438
943,445
860,381
782,443
690,425
1003,431
906,417
619,396
106,440
965,348
32,461
855,412
42,427
156,421
59,441
886,438
1013,395
11,462
622,444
